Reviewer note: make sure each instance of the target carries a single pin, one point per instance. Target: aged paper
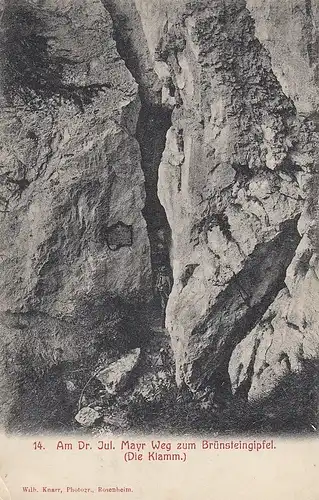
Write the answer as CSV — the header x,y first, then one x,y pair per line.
x,y
290,471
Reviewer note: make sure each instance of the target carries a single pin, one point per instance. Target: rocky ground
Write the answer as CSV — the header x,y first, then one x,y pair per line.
x,y
138,393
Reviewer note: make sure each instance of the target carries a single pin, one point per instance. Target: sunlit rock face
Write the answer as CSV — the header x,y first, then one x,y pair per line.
x,y
74,246
237,182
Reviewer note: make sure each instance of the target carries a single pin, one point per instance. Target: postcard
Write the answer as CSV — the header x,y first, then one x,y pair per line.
x,y
159,249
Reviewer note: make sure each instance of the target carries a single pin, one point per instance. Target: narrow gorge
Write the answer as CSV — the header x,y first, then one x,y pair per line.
x,y
148,144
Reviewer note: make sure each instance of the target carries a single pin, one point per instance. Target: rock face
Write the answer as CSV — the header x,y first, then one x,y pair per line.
x,y
74,246
141,133
237,180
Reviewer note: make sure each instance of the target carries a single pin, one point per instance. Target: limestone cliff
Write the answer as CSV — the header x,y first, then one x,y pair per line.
x,y
74,247
238,182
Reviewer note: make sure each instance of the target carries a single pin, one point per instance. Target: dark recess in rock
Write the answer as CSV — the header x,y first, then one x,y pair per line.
x,y
188,273
153,123
152,126
117,236
275,256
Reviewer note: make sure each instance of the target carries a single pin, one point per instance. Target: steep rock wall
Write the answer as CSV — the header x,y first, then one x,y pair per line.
x,y
237,182
74,249
286,339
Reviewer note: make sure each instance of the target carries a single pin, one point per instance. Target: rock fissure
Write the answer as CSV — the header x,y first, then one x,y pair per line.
x,y
152,125
249,308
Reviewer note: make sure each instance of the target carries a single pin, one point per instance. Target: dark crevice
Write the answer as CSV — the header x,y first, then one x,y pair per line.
x,y
153,123
284,358
244,388
152,126
308,7
187,274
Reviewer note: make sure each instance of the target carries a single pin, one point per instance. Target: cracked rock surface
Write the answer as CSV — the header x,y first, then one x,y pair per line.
x,y
70,171
237,181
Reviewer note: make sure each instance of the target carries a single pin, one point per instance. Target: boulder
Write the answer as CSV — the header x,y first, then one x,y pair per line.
x,y
116,376
87,416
